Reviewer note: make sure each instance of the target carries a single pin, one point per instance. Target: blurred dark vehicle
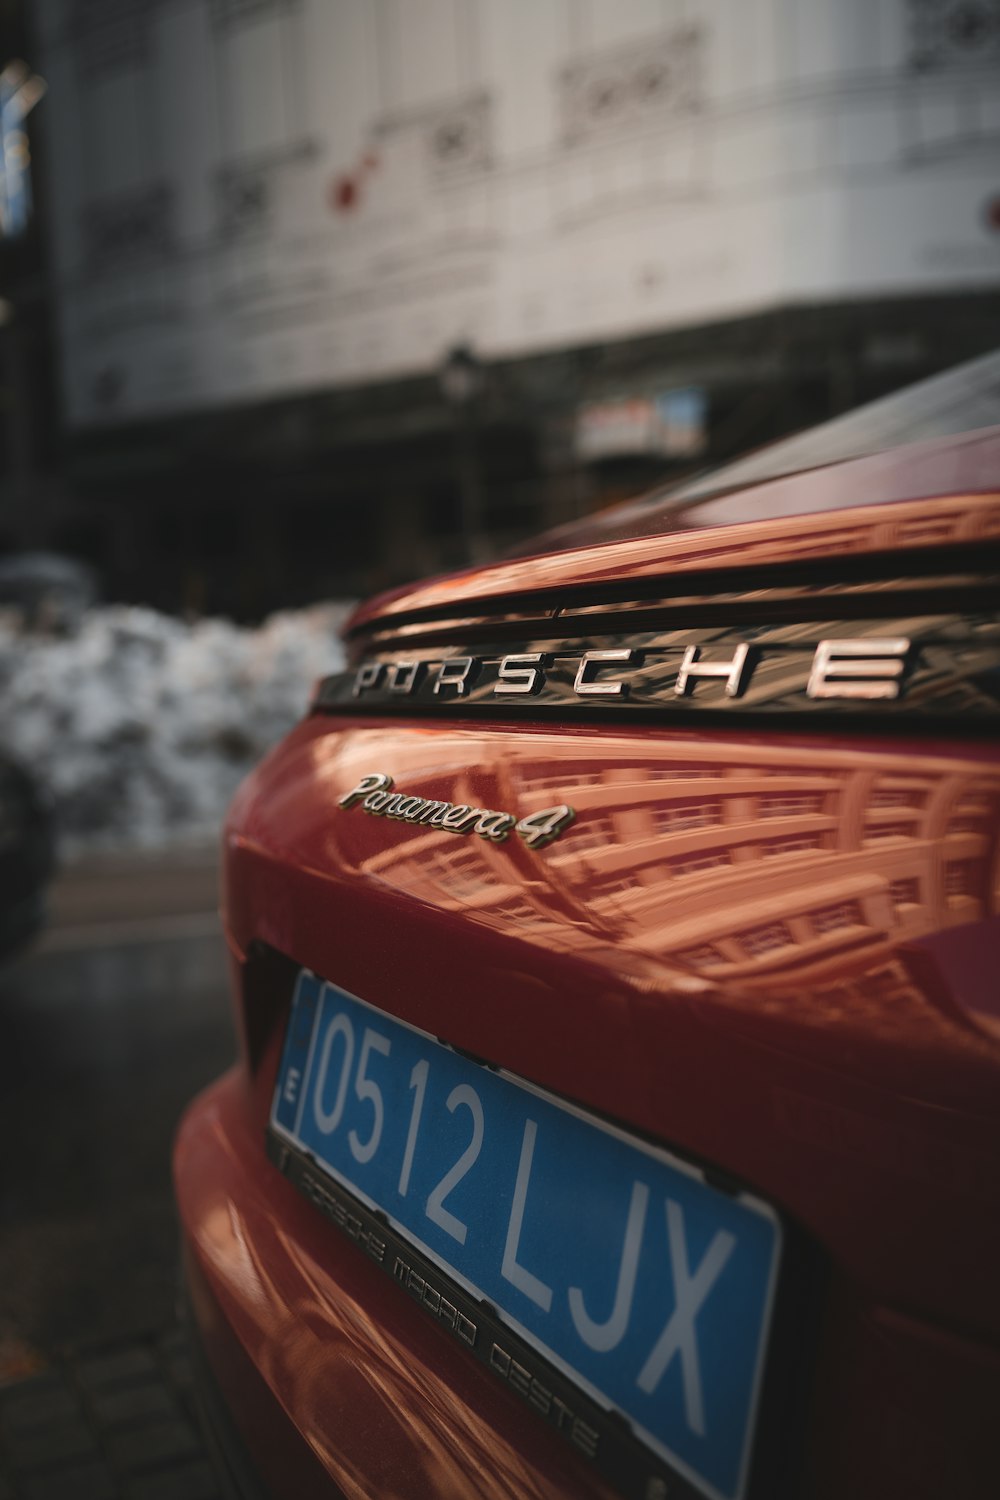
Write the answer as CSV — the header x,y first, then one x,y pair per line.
x,y
27,855
48,590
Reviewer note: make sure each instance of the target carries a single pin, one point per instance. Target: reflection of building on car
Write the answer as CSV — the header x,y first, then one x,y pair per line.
x,y
658,1155
876,853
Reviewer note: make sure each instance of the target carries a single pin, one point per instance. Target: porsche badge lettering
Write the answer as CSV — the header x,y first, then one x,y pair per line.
x,y
861,669
375,795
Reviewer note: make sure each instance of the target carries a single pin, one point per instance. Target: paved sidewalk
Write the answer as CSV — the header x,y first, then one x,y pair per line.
x,y
137,882
133,896
111,1423
112,1023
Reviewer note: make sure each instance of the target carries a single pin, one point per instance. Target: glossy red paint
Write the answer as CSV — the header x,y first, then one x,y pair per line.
x,y
860,1098
866,506
764,950
382,1405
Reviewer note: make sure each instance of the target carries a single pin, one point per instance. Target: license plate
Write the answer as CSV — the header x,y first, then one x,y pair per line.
x,y
641,1286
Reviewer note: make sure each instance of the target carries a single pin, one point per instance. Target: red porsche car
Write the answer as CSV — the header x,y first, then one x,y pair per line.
x,y
614,954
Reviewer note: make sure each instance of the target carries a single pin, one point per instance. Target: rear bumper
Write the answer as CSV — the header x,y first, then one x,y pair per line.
x,y
324,1380
235,1468
335,1381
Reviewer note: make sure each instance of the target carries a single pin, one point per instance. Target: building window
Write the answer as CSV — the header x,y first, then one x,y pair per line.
x,y
547,782
624,89
963,877
878,832
458,138
949,34
520,911
620,885
679,773
790,805
897,796
593,833
762,940
797,844
135,226
905,892
705,859
678,816
703,957
832,918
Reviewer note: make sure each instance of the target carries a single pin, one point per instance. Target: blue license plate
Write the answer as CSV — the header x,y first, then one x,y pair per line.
x,y
649,1289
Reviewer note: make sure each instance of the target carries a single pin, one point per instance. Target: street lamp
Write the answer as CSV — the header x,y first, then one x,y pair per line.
x,y
462,379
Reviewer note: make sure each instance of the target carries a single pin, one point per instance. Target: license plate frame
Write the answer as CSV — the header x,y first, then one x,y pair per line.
x,y
341,1052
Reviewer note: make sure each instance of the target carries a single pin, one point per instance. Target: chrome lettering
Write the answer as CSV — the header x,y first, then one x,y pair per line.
x,y
494,825
732,671
866,669
520,674
403,676
458,815
455,672
374,782
858,669
585,684
376,802
540,828
376,796
407,807
432,812
367,676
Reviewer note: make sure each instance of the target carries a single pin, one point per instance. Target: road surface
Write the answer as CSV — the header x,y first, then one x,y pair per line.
x,y
111,1024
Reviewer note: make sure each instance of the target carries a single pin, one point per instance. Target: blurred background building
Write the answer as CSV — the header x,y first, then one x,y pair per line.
x,y
319,295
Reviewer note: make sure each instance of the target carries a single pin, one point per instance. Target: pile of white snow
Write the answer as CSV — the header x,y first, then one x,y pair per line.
x,y
141,726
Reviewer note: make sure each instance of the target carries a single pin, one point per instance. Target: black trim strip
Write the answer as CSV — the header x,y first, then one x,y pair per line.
x,y
803,574
926,669
541,716
642,615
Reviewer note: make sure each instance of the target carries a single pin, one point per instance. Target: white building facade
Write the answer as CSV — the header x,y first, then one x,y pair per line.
x,y
254,199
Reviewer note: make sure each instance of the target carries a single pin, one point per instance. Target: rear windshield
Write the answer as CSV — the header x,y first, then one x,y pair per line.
x,y
963,400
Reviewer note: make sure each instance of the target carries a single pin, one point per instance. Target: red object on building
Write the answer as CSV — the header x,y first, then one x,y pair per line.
x,y
345,194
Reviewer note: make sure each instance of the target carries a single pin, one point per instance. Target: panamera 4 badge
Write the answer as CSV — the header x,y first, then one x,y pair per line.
x,y
374,794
